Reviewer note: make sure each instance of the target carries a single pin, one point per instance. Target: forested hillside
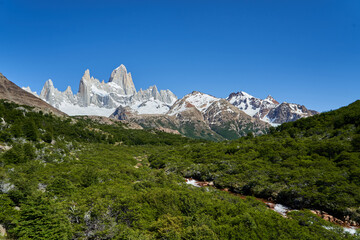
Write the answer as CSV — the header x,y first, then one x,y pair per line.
x,y
310,163
77,178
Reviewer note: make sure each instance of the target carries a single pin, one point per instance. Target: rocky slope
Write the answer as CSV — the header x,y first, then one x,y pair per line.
x,y
199,115
268,109
100,98
10,91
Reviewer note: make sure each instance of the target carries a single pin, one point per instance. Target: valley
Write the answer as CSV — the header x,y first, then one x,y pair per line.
x,y
101,178
179,120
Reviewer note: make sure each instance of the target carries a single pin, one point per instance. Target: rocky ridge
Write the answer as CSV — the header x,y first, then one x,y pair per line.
x,y
268,109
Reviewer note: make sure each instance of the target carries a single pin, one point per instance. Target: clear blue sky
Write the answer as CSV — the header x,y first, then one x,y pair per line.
x,y
302,51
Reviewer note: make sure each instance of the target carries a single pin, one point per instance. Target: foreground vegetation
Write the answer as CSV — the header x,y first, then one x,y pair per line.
x,y
310,163
67,178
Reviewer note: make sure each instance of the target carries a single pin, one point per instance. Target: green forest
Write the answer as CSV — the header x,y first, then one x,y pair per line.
x,y
78,178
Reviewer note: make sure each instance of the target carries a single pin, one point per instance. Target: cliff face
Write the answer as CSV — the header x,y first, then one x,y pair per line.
x,y
123,79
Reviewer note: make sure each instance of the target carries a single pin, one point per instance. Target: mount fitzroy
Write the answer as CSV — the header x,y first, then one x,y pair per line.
x,y
196,115
100,98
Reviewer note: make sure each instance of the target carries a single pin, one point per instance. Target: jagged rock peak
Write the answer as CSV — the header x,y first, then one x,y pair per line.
x,y
86,75
68,89
121,77
153,87
165,96
49,83
47,90
122,67
271,99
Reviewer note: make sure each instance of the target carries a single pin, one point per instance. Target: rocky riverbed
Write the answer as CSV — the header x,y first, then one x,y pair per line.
x,y
348,225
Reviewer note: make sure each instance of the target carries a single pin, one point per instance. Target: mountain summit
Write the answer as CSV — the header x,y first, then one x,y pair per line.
x,y
123,79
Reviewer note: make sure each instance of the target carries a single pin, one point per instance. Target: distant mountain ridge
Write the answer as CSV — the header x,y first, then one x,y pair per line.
x,y
268,109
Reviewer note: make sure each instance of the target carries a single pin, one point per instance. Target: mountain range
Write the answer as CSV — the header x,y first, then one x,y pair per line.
x,y
196,115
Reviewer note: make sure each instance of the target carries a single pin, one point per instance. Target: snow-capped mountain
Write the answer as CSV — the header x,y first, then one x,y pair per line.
x,y
196,115
268,109
199,115
102,98
221,116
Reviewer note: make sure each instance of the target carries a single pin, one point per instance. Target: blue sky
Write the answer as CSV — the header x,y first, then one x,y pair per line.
x,y
302,51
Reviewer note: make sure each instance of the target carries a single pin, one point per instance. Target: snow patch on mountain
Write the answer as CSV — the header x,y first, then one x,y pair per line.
x,y
200,101
152,106
92,110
